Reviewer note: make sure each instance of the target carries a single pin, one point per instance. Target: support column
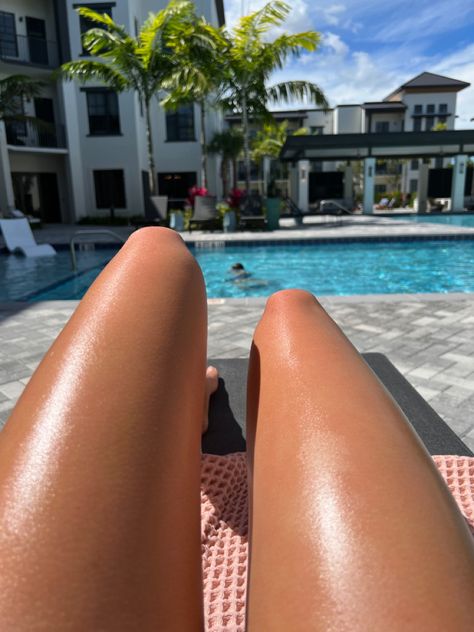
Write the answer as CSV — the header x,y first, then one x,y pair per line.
x,y
75,170
423,171
458,184
7,198
266,174
369,183
303,185
348,185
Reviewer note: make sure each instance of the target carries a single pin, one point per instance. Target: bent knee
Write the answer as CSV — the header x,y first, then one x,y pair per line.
x,y
286,301
159,249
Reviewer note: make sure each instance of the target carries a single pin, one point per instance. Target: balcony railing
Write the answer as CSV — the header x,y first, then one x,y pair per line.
x,y
29,134
34,51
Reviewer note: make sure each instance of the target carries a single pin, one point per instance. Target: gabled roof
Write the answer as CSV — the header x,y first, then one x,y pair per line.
x,y
430,80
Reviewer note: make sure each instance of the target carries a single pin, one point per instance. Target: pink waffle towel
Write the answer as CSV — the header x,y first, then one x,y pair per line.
x,y
224,529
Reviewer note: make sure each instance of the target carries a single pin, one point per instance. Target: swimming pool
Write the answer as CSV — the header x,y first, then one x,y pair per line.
x,y
324,269
455,219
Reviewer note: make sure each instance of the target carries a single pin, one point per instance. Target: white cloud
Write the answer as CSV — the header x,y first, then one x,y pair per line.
x,y
335,43
298,19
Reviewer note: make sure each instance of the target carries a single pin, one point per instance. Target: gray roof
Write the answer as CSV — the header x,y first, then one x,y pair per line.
x,y
430,80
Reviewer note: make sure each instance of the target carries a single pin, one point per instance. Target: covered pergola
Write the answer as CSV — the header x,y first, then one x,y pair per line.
x,y
458,144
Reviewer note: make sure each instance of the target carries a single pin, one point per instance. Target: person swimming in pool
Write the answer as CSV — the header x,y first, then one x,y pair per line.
x,y
239,272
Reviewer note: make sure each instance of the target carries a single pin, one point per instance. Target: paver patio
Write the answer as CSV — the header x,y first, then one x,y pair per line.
x,y
428,337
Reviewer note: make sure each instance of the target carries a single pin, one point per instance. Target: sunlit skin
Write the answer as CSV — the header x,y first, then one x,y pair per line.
x,y
352,528
100,460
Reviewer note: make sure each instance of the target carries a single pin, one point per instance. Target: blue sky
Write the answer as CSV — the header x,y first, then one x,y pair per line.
x,y
370,48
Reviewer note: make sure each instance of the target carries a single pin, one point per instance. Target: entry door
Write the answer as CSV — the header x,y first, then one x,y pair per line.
x,y
49,198
44,111
37,45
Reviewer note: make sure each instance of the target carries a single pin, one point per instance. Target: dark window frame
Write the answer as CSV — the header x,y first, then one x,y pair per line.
x,y
111,120
417,126
443,108
414,164
180,125
11,40
109,191
384,127
430,109
418,109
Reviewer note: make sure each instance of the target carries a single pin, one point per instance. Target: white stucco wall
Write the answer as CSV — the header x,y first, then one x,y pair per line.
x,y
348,119
434,98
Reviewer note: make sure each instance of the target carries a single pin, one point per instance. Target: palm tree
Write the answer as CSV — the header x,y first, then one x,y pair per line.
x,y
199,76
13,90
229,144
143,64
251,60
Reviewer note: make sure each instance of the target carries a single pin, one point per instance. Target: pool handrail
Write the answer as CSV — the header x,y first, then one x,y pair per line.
x,y
84,232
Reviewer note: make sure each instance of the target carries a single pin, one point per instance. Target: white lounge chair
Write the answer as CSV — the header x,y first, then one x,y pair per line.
x,y
19,238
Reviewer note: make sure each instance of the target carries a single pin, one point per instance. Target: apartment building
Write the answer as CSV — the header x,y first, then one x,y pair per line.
x,y
424,103
92,156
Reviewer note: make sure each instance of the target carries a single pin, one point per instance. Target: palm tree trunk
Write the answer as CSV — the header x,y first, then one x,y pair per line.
x,y
245,129
151,159
234,172
224,171
203,145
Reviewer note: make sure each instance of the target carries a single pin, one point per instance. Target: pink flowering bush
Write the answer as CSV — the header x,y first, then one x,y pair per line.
x,y
235,198
194,192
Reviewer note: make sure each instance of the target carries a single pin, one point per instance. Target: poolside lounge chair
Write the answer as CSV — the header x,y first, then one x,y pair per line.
x,y
19,238
226,432
156,212
251,212
205,212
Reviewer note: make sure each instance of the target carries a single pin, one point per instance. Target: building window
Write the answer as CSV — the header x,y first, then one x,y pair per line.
x,y
8,45
102,106
442,119
180,124
417,125
316,130
414,166
439,162
413,185
109,188
380,188
382,127
418,109
430,109
85,24
429,123
443,108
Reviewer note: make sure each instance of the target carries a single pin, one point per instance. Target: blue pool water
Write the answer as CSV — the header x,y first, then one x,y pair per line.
x,y
456,219
324,269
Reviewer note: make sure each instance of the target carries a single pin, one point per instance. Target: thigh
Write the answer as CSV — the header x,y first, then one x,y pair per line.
x,y
100,460
351,526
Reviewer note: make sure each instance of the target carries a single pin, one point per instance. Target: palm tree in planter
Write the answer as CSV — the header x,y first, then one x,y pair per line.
x,y
229,144
251,59
143,64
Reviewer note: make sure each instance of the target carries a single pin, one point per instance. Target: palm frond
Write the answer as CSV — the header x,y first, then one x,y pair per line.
x,y
288,91
87,70
102,18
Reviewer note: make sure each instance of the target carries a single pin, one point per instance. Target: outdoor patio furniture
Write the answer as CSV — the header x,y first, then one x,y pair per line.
x,y
251,212
226,432
155,213
205,213
19,238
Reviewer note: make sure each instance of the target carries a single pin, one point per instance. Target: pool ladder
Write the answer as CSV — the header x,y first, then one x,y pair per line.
x,y
85,233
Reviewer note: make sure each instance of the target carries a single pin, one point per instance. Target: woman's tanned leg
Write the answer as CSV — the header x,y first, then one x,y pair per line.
x,y
351,526
100,460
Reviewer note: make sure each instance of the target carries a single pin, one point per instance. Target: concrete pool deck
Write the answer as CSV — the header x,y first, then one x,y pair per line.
x,y
427,337
314,227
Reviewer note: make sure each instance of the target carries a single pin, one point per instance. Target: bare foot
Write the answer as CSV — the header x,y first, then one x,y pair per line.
x,y
212,381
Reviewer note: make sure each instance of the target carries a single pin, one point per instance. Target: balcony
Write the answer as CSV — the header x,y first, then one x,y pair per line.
x,y
29,134
33,51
